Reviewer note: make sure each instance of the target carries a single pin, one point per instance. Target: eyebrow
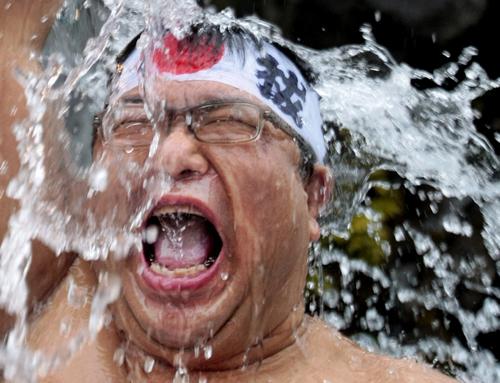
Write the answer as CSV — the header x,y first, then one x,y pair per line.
x,y
138,100
134,100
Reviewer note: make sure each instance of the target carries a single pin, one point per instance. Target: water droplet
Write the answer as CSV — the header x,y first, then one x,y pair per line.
x,y
4,166
44,19
224,276
151,234
434,207
77,296
108,291
181,375
497,137
64,327
399,234
378,16
98,179
149,364
374,320
107,319
207,352
453,224
119,356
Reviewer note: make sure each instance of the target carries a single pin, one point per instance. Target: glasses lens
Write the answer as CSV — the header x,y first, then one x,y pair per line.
x,y
132,137
226,123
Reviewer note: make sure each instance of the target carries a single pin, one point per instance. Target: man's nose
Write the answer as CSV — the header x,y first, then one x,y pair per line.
x,y
179,154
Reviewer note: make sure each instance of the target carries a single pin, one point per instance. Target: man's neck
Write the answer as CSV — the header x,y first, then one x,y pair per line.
x,y
271,353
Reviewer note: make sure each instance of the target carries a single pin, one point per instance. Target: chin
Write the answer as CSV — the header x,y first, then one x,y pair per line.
x,y
175,301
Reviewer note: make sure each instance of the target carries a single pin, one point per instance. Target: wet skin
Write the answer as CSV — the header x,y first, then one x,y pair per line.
x,y
315,353
266,216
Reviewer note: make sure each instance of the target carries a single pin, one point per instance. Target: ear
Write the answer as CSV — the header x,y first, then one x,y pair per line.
x,y
319,191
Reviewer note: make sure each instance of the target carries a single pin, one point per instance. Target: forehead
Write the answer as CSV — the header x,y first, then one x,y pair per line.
x,y
182,94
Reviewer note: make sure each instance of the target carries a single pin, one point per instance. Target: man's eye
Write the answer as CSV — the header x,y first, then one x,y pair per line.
x,y
133,132
132,129
226,129
229,120
227,123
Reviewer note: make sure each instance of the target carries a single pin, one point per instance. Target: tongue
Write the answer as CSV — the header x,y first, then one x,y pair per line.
x,y
183,242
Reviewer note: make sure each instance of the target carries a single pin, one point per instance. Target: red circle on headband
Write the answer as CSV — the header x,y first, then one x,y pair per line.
x,y
187,55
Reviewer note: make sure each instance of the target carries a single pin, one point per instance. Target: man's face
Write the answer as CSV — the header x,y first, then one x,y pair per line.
x,y
242,205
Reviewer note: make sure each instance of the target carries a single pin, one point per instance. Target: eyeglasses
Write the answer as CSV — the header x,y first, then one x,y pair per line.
x,y
129,130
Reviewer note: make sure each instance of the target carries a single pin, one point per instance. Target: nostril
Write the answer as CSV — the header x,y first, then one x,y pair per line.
x,y
187,173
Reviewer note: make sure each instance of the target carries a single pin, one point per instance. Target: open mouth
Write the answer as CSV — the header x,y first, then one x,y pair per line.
x,y
180,244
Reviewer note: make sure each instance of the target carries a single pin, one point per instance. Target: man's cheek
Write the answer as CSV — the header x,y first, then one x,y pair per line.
x,y
113,199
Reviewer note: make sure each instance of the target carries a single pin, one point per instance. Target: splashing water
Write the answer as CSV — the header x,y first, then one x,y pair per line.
x,y
404,265
406,148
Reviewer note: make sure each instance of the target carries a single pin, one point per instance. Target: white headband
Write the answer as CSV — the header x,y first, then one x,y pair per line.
x,y
263,72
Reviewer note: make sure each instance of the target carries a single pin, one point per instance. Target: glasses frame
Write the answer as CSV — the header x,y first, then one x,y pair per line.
x,y
308,155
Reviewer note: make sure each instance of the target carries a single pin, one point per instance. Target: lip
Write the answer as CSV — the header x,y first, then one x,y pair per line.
x,y
160,283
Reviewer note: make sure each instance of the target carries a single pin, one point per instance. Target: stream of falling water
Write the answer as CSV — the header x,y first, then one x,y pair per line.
x,y
390,144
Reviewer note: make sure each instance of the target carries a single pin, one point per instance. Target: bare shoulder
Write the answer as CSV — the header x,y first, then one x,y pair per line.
x,y
64,322
338,357
406,370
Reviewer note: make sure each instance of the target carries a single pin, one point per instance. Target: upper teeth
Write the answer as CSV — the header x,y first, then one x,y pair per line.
x,y
177,209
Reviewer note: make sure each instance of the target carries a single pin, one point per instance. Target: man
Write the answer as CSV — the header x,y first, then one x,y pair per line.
x,y
215,141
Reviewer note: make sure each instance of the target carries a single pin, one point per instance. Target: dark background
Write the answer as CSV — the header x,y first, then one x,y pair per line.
x,y
414,31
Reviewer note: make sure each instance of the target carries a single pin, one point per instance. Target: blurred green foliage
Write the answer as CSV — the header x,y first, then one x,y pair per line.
x,y
373,227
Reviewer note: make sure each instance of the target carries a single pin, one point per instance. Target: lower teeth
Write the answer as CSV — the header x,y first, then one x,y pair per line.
x,y
160,269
